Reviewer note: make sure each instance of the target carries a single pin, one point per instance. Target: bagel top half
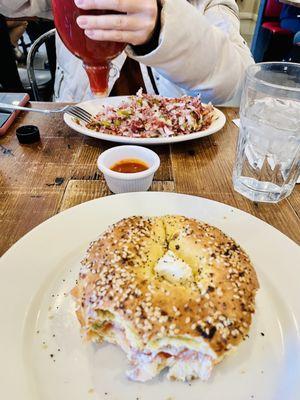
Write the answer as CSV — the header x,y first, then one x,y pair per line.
x,y
205,301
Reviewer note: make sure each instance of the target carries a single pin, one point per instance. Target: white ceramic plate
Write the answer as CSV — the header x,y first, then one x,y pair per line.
x,y
94,106
37,314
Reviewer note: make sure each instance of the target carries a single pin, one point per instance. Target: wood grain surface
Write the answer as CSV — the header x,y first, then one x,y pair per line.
x,y
37,181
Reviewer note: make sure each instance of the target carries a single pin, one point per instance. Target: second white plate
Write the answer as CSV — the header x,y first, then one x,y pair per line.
x,y
94,106
42,354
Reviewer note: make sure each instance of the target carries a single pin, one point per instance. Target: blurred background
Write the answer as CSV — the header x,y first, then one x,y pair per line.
x,y
271,29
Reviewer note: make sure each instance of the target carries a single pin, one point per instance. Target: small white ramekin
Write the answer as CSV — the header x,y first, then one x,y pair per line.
x,y
121,183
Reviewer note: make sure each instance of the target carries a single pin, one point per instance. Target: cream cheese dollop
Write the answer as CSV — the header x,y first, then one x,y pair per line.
x,y
173,268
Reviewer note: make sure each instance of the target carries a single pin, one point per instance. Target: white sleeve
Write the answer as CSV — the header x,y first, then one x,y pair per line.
x,y
26,8
200,50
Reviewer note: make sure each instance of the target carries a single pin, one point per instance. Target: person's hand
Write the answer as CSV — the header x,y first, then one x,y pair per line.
x,y
135,25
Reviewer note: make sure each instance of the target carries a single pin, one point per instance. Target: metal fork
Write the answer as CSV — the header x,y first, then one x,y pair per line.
x,y
75,111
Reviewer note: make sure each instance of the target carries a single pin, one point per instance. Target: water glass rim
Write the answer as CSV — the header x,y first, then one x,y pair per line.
x,y
273,85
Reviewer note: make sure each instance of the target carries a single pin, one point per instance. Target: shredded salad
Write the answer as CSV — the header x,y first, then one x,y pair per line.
x,y
152,116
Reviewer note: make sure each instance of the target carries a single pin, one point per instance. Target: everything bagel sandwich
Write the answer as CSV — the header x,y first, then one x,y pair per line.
x,y
171,291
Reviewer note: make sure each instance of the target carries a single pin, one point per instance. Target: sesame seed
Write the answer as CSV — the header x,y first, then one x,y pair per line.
x,y
235,333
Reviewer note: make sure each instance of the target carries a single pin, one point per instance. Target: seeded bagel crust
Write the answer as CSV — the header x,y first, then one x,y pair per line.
x,y
118,283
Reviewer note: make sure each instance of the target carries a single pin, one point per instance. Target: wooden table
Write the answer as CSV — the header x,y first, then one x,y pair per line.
x,y
38,181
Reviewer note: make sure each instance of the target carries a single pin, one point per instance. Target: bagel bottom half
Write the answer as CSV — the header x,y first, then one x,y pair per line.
x,y
171,291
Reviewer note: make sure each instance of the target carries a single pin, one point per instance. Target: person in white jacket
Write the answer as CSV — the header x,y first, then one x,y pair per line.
x,y
199,47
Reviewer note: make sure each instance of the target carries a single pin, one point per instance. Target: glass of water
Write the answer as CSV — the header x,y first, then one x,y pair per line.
x,y
267,162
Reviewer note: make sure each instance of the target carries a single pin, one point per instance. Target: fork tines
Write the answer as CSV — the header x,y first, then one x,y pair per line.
x,y
79,113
